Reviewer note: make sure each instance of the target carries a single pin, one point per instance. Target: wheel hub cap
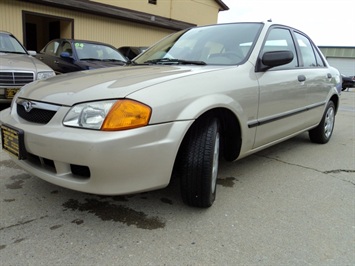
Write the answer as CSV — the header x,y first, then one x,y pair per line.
x,y
329,122
215,163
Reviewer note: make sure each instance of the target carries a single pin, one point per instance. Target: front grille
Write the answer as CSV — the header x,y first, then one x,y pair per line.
x,y
17,79
35,115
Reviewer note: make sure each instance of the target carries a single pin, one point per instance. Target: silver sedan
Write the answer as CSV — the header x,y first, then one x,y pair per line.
x,y
18,67
197,96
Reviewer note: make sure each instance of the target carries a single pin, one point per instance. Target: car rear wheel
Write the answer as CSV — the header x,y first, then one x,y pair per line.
x,y
199,166
323,132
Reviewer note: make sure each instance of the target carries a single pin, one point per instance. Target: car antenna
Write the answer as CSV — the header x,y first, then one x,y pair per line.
x,y
269,20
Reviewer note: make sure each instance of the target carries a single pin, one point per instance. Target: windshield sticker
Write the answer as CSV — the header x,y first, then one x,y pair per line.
x,y
79,45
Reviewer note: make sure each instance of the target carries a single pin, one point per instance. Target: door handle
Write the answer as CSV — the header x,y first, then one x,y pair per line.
x,y
301,78
329,76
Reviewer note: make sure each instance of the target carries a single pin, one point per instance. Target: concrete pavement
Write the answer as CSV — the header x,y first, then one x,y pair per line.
x,y
292,204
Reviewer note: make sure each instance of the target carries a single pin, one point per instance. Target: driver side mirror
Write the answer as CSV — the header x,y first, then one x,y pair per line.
x,y
273,59
33,53
66,55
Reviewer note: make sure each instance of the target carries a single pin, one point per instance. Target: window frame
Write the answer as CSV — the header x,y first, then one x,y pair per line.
x,y
316,53
319,57
55,44
295,45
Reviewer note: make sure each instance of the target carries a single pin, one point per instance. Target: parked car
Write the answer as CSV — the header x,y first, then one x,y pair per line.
x,y
17,67
131,52
69,55
226,90
348,82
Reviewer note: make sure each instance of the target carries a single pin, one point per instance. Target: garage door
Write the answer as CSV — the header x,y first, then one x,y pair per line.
x,y
346,66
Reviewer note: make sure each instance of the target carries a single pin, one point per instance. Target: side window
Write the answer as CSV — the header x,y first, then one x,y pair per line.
x,y
319,59
65,47
279,39
309,54
51,48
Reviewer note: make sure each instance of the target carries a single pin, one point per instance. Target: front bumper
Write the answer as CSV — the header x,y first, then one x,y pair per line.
x,y
120,162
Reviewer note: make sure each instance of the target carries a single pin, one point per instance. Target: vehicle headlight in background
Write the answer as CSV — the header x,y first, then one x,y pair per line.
x,y
45,75
109,115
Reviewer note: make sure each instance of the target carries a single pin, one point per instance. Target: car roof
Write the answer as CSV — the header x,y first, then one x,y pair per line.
x,y
6,32
80,40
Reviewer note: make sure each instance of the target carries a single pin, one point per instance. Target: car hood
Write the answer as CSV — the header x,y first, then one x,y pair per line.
x,y
21,62
108,83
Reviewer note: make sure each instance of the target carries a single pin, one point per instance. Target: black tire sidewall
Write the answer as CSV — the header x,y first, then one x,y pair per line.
x,y
317,134
197,164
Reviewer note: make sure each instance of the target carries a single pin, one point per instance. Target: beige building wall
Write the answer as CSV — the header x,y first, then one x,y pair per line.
x,y
202,12
199,12
89,27
11,18
106,29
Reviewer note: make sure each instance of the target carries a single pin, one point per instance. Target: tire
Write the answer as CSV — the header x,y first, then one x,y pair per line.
x,y
199,163
323,132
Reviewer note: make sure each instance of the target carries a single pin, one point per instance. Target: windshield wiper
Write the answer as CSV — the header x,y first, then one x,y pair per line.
x,y
11,52
174,61
130,62
114,60
90,59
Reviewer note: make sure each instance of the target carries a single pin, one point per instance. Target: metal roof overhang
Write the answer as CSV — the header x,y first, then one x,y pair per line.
x,y
99,9
222,5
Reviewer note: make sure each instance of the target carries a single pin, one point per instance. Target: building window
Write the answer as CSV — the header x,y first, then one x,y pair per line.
x,y
153,2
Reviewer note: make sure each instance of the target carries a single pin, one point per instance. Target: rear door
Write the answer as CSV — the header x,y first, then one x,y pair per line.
x,y
319,78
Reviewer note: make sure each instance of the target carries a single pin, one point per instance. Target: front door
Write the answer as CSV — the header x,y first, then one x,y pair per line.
x,y
282,95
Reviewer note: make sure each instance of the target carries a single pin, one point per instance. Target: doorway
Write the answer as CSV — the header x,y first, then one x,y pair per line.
x,y
39,29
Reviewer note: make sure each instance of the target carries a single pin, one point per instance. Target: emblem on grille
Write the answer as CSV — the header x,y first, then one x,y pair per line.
x,y
27,105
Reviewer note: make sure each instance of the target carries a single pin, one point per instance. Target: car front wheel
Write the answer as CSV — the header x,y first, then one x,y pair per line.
x,y
199,166
323,132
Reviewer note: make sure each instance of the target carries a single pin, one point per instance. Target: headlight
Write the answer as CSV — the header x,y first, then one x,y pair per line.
x,y
45,75
108,115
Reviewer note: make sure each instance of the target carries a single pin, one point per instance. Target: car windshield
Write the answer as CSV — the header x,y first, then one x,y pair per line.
x,y
93,51
9,44
223,44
